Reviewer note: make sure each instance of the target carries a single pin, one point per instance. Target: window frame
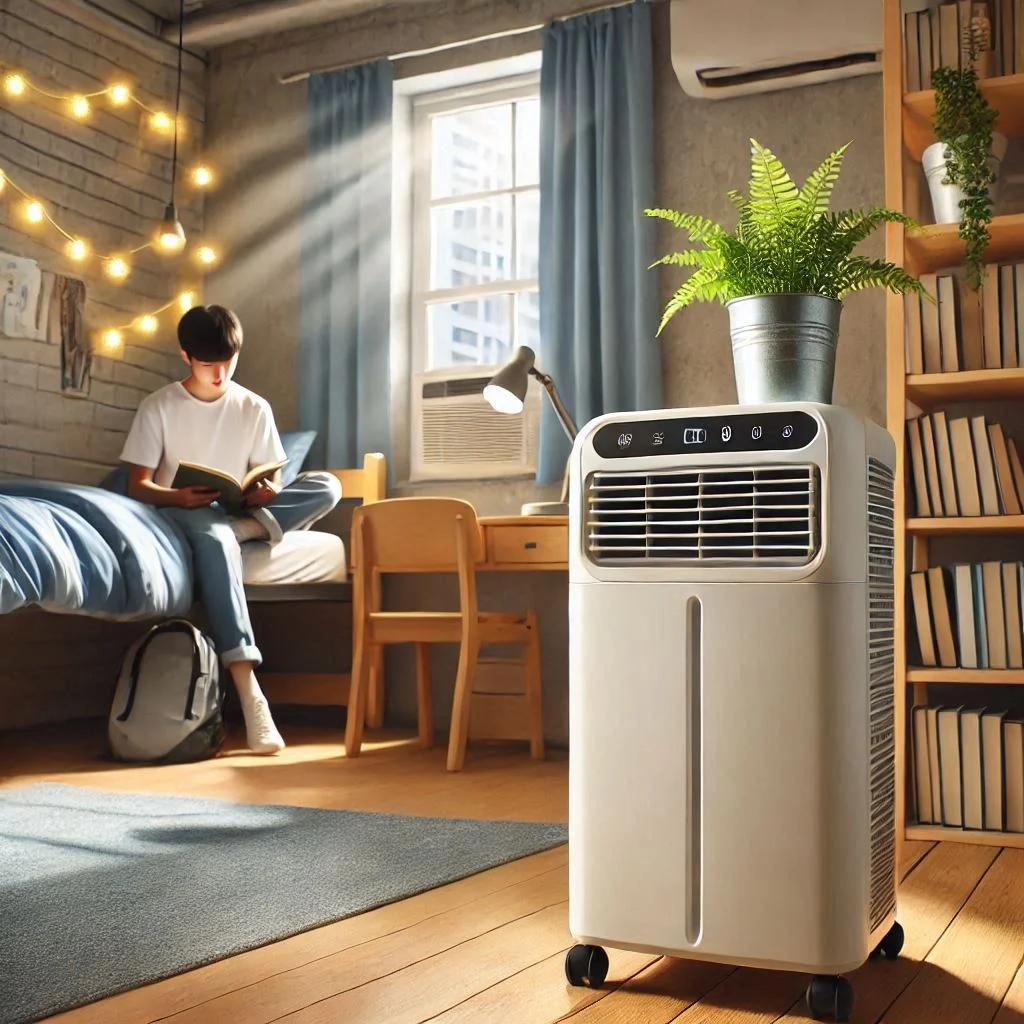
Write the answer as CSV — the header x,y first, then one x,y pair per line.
x,y
425,107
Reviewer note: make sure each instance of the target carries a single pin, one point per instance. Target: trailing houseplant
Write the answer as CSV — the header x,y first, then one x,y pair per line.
x,y
782,274
965,157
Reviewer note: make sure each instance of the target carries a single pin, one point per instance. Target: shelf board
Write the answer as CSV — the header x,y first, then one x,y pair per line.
x,y
935,246
926,389
956,526
968,676
1005,94
941,834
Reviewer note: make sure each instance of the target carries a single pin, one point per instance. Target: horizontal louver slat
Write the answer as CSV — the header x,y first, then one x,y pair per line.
x,y
764,514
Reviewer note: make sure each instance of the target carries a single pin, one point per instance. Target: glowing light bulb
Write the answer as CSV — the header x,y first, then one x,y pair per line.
x,y
206,254
147,324
118,269
112,340
15,85
161,122
119,94
80,106
34,212
202,177
171,241
185,301
77,249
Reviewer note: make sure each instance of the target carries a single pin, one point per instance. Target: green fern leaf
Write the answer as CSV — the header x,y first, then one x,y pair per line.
x,y
816,194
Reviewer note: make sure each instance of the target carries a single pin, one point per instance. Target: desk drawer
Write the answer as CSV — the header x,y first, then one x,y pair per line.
x,y
518,544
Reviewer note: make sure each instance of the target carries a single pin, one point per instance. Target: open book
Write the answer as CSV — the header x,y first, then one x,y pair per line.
x,y
232,492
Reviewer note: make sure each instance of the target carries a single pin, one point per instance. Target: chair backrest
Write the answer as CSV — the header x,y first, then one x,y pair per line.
x,y
416,534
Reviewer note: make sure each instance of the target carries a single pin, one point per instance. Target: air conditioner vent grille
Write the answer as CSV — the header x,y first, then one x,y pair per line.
x,y
881,724
767,514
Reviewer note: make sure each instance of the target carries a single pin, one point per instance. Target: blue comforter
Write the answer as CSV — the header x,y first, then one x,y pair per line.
x,y
90,551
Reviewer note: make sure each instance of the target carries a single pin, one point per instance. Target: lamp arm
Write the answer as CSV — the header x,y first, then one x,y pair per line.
x,y
560,410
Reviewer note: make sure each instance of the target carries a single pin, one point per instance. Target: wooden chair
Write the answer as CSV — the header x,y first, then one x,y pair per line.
x,y
421,535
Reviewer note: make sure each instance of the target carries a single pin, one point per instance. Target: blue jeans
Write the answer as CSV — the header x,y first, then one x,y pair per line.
x,y
217,556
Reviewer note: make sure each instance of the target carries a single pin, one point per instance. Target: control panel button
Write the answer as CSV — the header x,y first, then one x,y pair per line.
x,y
787,431
658,438
694,435
625,440
755,433
727,433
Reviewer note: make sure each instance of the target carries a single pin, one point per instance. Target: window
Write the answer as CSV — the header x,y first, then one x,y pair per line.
x,y
476,212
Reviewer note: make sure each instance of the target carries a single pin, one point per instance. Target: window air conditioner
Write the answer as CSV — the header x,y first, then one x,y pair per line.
x,y
456,433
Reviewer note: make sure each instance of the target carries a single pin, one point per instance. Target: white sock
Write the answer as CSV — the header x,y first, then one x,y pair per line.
x,y
260,731
246,528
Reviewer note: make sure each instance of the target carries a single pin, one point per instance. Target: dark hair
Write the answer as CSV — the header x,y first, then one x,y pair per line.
x,y
209,333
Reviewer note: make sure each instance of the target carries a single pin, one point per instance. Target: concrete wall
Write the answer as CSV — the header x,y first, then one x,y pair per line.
x,y
258,128
107,180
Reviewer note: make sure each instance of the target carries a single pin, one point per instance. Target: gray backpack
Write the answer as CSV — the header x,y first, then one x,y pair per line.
x,y
168,702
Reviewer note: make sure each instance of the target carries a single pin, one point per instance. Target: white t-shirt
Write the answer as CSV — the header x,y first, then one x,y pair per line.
x,y
232,434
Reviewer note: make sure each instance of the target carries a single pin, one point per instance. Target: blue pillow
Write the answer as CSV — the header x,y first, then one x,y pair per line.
x,y
296,447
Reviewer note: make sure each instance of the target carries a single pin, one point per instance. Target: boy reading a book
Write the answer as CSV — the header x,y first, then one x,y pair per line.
x,y
209,420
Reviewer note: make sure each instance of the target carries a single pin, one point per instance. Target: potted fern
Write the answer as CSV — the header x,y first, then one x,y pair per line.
x,y
782,276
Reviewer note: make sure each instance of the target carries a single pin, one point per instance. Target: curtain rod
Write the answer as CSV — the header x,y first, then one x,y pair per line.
x,y
301,76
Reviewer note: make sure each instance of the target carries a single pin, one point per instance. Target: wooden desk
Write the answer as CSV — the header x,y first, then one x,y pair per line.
x,y
524,543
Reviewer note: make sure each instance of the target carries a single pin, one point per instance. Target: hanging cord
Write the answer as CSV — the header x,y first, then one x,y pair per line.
x,y
177,99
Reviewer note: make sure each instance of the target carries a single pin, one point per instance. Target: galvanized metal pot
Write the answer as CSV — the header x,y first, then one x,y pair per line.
x,y
784,347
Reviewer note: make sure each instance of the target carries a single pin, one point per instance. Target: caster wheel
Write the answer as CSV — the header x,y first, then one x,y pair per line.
x,y
891,945
586,966
830,997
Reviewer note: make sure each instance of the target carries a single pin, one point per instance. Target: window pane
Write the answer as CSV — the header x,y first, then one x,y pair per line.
x,y
527,233
528,142
466,333
471,243
528,320
472,151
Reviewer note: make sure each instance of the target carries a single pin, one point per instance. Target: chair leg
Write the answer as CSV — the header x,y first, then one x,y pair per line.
x,y
459,731
375,692
534,694
357,696
424,698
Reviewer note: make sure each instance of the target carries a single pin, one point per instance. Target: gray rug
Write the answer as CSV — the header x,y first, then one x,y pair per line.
x,y
102,892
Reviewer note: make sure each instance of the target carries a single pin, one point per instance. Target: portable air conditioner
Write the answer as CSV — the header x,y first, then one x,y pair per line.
x,y
726,48
732,784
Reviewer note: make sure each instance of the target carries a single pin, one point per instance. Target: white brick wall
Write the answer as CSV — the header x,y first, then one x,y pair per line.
x,y
107,180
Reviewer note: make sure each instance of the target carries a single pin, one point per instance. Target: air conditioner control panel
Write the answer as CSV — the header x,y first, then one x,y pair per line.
x,y
698,435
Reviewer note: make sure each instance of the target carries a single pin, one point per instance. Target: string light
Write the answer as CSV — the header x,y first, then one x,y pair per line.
x,y
112,339
79,105
206,254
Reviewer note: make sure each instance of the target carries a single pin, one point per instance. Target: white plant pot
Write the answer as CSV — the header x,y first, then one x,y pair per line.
x,y
946,198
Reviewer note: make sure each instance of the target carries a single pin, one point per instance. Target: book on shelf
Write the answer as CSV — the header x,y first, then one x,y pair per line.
x,y
970,615
964,466
936,37
957,329
967,768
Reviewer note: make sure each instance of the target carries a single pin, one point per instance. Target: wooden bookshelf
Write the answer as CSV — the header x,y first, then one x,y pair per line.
x,y
1005,94
941,834
961,526
930,248
929,389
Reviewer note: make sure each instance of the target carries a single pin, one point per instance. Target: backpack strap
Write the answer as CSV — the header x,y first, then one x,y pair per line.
x,y
173,626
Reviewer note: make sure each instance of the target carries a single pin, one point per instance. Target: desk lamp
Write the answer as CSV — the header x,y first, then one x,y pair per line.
x,y
506,393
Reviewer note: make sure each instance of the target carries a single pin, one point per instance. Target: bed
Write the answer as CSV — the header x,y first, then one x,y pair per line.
x,y
108,565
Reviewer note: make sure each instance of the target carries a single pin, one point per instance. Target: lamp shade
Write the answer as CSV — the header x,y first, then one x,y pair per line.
x,y
506,390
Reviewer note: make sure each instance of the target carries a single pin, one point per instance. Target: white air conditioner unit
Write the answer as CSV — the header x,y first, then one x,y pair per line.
x,y
725,48
731,760
457,435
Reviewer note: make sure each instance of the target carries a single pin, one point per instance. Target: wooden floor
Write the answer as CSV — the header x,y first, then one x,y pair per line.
x,y
490,948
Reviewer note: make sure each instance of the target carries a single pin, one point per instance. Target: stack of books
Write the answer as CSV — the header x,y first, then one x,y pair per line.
x,y
964,466
968,768
969,615
960,329
936,38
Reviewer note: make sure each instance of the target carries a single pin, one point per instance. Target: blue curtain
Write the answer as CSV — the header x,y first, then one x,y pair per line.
x,y
344,319
598,300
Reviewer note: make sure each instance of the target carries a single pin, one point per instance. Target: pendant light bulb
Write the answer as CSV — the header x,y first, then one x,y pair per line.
x,y
171,235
